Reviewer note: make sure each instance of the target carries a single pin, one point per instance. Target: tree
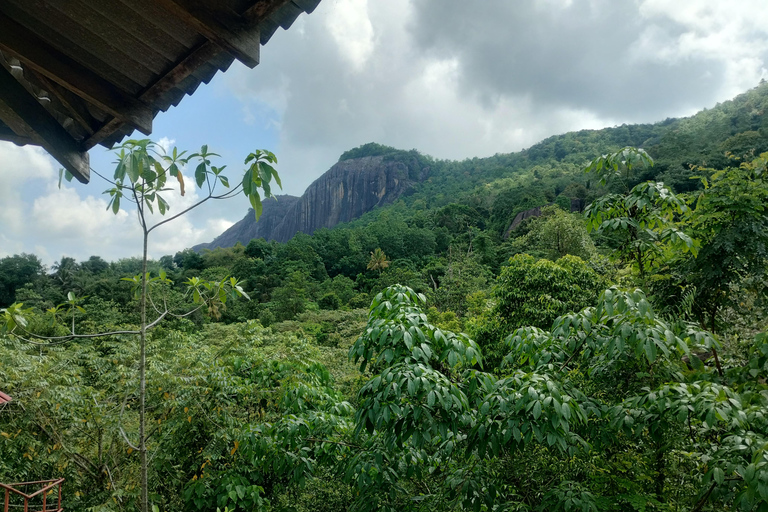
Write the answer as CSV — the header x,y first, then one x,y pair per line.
x,y
140,178
630,360
290,299
557,233
95,265
463,275
531,292
188,259
65,272
15,272
378,260
731,219
259,248
642,216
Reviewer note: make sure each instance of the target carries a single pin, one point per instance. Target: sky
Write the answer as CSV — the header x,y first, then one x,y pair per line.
x,y
452,78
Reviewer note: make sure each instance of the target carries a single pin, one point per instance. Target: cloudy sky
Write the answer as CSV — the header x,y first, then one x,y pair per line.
x,y
451,78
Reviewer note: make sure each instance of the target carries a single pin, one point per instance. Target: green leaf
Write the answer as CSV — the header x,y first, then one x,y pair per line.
x,y
200,174
256,204
265,172
162,205
65,174
132,169
247,182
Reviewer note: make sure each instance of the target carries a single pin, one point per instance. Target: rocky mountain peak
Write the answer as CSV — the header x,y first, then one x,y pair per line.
x,y
346,191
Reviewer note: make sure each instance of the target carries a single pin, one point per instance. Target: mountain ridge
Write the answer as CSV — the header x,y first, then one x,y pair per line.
x,y
350,188
506,184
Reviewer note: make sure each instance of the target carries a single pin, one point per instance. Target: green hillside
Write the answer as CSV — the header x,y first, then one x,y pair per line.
x,y
416,359
501,185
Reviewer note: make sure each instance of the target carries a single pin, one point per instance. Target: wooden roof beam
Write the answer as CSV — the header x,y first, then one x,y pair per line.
x,y
197,57
38,55
223,27
28,118
74,104
7,134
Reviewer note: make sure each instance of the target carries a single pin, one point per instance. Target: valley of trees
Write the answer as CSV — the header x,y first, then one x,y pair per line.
x,y
425,356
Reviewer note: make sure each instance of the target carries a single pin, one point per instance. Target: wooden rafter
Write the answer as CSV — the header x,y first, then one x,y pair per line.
x,y
73,103
30,120
220,25
83,63
38,55
202,54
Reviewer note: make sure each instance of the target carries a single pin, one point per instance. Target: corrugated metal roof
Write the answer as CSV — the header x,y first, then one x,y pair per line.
x,y
102,68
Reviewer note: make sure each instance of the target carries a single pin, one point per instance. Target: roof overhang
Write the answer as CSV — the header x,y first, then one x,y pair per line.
x,y
86,72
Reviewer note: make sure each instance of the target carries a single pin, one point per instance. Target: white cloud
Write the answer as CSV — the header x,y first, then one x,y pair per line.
x,y
352,30
166,143
19,164
24,170
734,33
38,217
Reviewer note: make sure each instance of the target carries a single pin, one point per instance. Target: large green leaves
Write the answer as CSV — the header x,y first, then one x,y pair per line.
x,y
643,216
622,326
143,168
398,331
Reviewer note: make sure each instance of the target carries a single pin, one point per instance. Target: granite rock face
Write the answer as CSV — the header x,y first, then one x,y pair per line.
x,y
345,192
247,228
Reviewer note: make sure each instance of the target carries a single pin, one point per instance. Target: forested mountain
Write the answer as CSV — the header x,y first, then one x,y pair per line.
x,y
416,352
373,176
352,187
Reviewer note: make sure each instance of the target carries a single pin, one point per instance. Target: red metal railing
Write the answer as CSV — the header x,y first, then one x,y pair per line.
x,y
33,500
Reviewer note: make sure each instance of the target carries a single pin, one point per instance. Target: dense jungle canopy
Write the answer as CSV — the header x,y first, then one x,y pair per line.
x,y
426,356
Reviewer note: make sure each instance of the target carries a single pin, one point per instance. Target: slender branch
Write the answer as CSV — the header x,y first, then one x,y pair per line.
x,y
76,457
156,321
229,193
58,340
169,219
144,498
112,481
151,301
97,173
183,315
208,182
576,351
226,195
127,441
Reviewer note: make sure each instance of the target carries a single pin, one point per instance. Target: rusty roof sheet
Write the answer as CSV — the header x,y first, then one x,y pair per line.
x,y
102,68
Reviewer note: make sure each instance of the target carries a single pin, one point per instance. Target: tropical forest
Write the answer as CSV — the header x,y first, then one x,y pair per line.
x,y
578,326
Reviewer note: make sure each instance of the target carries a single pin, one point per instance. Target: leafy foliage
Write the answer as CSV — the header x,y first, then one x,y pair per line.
x,y
535,293
579,400
643,216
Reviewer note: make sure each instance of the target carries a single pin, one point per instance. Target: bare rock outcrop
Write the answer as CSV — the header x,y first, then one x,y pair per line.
x,y
345,192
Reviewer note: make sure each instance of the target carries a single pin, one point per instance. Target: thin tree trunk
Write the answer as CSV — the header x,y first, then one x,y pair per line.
x,y
714,350
717,362
700,504
144,505
660,477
